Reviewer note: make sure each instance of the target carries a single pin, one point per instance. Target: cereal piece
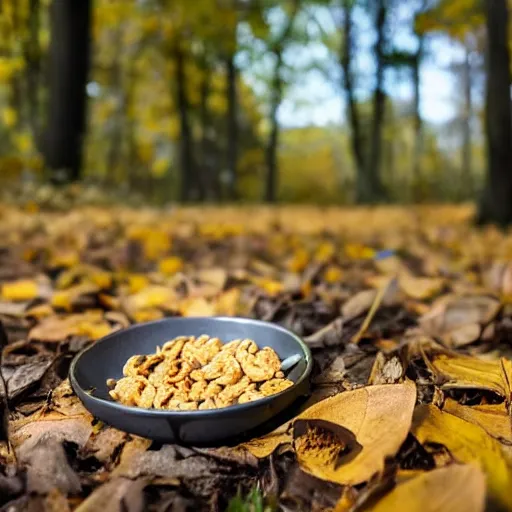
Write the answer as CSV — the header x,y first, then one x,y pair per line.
x,y
230,393
209,403
274,386
183,372
162,396
131,368
279,375
212,390
111,383
250,396
188,406
167,368
172,349
197,390
231,347
149,363
134,391
224,369
260,365
202,350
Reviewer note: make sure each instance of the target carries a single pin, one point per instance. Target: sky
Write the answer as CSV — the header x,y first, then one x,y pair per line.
x,y
317,99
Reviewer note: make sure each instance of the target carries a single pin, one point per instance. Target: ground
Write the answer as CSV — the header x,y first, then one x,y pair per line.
x,y
407,312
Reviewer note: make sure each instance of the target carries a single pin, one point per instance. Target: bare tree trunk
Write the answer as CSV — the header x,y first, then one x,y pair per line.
x,y
418,121
188,174
271,183
69,64
232,126
33,70
375,191
496,205
349,86
467,171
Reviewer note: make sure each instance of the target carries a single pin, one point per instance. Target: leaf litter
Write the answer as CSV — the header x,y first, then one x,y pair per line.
x,y
408,315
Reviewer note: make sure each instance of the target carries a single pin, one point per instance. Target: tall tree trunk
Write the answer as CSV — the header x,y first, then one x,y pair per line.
x,y
271,185
69,64
346,53
271,182
188,174
209,168
374,190
232,126
467,171
33,70
418,121
496,204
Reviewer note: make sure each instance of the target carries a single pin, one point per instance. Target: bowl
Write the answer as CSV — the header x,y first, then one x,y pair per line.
x,y
92,367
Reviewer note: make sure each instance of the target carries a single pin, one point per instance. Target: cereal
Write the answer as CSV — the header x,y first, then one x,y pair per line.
x,y
190,373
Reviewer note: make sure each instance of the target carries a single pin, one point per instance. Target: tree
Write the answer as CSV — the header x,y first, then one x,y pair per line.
x,y
277,47
496,204
68,71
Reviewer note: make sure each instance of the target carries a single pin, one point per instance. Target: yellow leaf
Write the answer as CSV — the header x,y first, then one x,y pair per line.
x,y
170,266
298,261
147,315
156,244
469,372
271,286
378,418
153,296
455,488
197,307
324,252
333,274
137,282
227,302
468,443
65,259
420,287
493,418
24,289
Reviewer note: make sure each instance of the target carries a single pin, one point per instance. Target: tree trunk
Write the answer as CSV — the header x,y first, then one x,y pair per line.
x,y
418,122
374,191
467,171
271,185
33,70
496,205
232,126
188,175
69,64
349,86
271,182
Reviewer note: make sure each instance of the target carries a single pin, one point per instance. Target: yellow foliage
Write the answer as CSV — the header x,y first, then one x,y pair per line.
x,y
25,289
171,265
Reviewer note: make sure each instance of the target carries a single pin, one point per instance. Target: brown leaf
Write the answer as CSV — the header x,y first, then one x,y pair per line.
x,y
117,495
455,488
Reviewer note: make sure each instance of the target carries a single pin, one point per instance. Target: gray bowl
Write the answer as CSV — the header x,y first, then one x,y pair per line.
x,y
105,359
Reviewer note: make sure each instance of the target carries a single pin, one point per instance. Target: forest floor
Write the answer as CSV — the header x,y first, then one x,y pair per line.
x,y
408,313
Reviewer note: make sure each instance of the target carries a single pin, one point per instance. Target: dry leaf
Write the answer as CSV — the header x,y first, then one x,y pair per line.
x,y
154,296
378,416
468,443
197,307
456,488
19,291
494,419
420,287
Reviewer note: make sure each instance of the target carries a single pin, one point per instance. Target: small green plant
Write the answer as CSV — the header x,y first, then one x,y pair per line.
x,y
253,502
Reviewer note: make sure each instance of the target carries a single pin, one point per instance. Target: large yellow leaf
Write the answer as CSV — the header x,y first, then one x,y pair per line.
x,y
468,443
375,421
455,488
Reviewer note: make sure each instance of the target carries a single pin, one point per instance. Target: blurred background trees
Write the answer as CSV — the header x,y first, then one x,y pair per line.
x,y
329,101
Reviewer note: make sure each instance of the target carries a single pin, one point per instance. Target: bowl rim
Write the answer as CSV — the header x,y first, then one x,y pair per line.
x,y
196,414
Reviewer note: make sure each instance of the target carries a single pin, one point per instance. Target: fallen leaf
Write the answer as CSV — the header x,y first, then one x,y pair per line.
x,y
456,488
154,296
117,495
420,287
227,302
363,301
197,307
19,291
494,419
379,417
468,443
468,372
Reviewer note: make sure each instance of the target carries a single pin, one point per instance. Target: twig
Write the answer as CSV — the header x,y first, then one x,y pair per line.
x,y
373,310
